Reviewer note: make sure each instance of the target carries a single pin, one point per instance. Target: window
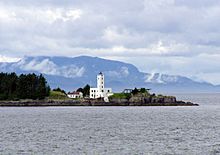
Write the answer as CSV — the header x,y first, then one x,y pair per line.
x,y
102,90
108,91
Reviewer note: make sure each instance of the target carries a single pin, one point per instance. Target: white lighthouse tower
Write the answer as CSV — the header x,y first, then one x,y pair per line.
x,y
100,82
100,91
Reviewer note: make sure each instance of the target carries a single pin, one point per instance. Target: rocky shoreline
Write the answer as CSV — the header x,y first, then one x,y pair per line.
x,y
133,101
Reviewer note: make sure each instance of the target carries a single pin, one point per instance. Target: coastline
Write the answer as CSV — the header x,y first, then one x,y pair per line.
x,y
37,103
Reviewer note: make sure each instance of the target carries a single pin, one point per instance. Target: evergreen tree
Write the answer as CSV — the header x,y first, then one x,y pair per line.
x,y
21,89
12,85
42,87
80,90
86,90
3,86
143,90
28,86
135,91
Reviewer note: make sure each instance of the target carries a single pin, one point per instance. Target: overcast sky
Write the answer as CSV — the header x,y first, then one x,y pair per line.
x,y
168,36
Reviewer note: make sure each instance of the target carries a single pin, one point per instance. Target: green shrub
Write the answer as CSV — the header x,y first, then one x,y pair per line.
x,y
121,95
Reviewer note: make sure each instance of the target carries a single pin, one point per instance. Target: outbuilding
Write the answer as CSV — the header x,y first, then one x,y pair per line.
x,y
75,94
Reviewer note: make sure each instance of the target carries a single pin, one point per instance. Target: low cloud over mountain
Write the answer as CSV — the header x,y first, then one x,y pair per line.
x,y
71,73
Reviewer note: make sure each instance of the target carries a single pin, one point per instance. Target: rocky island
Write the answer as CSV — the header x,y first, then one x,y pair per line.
x,y
32,90
119,99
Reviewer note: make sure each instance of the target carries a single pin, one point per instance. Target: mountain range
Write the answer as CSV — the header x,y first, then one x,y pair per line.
x,y
72,73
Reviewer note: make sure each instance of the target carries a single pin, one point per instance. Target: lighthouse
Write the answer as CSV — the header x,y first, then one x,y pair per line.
x,y
100,82
100,91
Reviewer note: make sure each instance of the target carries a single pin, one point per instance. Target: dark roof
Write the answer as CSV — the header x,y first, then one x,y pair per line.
x,y
74,93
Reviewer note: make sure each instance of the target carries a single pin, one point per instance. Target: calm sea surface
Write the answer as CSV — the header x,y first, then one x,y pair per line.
x,y
113,130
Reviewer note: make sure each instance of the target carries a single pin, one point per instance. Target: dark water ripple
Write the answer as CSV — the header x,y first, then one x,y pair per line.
x,y
110,130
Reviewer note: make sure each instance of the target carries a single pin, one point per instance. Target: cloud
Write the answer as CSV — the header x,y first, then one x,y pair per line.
x,y
122,72
48,67
8,59
60,14
44,15
44,66
64,28
167,33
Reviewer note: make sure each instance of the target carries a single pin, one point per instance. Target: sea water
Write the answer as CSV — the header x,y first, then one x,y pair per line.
x,y
113,130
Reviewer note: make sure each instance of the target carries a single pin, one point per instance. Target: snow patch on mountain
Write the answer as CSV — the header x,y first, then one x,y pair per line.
x,y
160,78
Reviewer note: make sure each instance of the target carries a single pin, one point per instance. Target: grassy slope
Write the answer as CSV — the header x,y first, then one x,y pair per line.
x,y
56,95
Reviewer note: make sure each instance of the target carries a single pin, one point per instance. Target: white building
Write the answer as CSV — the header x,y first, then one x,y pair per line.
x,y
75,95
100,91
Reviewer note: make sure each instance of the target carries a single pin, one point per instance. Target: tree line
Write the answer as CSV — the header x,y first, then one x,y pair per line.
x,y
85,90
24,86
141,90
